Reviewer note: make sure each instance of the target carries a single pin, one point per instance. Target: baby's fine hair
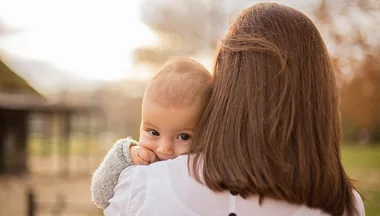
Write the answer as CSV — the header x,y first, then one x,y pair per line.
x,y
180,82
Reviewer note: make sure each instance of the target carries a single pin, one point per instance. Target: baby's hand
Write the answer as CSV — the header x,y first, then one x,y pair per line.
x,y
142,156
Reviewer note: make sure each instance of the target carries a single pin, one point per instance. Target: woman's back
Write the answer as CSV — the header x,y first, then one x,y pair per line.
x,y
272,126
165,188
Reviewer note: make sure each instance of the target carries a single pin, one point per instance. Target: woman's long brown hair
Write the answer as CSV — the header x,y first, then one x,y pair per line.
x,y
272,127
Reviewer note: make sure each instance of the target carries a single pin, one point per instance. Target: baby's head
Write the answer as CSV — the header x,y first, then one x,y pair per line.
x,y
172,106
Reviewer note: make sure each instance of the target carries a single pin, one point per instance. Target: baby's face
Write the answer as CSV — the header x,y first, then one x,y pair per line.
x,y
167,131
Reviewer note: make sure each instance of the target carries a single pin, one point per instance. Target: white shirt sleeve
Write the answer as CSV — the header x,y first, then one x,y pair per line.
x,y
359,204
119,204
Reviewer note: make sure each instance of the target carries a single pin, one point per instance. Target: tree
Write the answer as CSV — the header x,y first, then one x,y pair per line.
x,y
350,28
355,52
184,27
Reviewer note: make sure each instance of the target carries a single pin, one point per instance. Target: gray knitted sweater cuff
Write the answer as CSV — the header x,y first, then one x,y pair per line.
x,y
106,176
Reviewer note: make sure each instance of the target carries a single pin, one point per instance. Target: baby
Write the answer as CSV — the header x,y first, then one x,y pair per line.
x,y
172,106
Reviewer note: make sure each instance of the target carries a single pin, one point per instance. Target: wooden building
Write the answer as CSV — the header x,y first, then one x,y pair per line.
x,y
18,101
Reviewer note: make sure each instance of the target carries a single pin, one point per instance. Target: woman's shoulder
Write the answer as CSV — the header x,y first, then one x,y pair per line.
x,y
157,169
162,167
359,205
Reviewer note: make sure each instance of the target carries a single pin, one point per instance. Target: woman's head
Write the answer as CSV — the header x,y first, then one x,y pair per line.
x,y
272,127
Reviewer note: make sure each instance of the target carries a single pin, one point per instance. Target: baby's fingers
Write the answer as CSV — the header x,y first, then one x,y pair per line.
x,y
145,156
140,161
152,156
135,154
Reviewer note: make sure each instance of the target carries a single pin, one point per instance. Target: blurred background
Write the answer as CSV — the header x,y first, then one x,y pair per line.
x,y
72,76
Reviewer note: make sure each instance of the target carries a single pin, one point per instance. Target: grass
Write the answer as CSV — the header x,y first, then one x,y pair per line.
x,y
362,164
77,147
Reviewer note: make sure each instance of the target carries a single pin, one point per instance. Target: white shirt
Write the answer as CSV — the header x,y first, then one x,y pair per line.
x,y
166,189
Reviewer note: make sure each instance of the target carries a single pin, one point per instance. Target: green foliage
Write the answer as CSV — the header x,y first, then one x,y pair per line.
x,y
75,147
363,165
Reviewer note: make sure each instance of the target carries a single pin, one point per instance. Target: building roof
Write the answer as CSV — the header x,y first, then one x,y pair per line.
x,y
17,94
10,82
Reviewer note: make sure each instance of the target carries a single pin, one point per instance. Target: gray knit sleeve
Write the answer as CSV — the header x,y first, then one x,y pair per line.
x,y
106,176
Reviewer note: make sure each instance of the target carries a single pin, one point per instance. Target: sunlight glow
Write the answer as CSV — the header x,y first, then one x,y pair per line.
x,y
92,39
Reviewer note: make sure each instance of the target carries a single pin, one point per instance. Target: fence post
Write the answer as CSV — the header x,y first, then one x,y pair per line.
x,y
30,202
59,206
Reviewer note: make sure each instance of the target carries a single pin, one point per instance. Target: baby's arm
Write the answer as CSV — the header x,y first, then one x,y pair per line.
x,y
106,176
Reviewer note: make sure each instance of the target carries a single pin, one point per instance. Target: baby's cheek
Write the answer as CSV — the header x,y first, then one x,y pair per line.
x,y
182,149
147,143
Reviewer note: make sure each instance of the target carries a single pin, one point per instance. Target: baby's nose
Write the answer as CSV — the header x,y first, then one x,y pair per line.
x,y
166,149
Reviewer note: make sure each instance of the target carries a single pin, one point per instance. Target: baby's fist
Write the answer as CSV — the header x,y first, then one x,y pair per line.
x,y
142,156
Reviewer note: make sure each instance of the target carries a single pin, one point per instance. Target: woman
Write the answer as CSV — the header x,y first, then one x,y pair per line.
x,y
269,141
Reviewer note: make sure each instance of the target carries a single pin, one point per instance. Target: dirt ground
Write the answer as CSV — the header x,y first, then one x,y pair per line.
x,y
55,194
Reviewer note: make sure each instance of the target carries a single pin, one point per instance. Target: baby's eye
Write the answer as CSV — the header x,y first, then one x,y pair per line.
x,y
153,133
184,137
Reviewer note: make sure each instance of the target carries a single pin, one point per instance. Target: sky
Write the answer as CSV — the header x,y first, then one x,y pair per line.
x,y
92,39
